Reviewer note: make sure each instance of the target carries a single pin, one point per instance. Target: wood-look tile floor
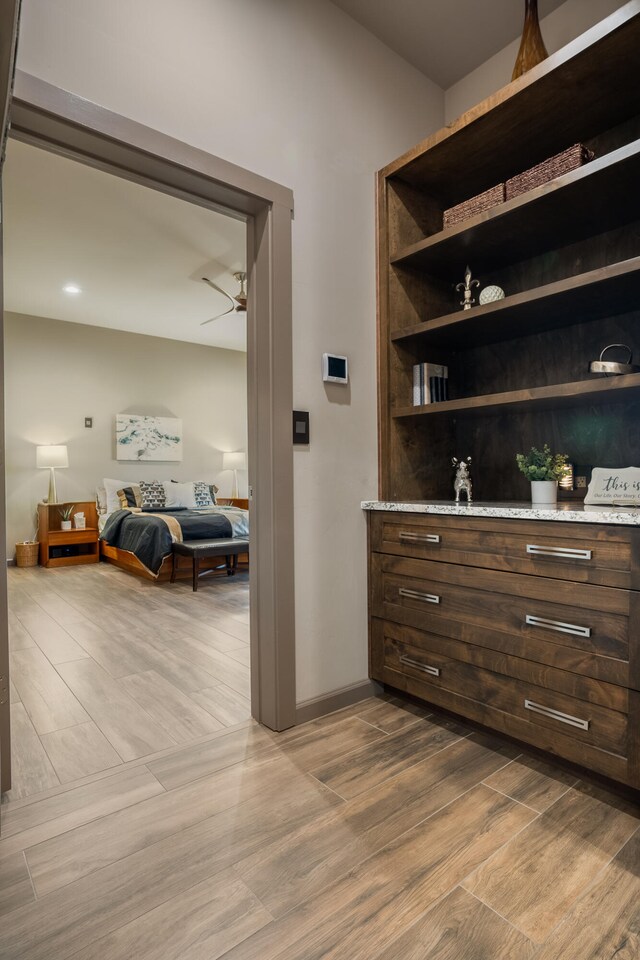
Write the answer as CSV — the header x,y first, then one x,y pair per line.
x,y
107,668
381,832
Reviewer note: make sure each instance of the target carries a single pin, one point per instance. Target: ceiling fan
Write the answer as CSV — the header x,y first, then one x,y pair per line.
x,y
238,303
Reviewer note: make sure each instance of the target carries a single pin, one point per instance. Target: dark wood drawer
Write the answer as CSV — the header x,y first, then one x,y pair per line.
x,y
578,718
580,629
584,553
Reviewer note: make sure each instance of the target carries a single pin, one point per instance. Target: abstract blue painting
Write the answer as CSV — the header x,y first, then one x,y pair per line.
x,y
148,438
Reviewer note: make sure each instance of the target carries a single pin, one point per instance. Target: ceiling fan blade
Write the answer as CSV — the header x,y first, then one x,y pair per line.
x,y
220,290
211,319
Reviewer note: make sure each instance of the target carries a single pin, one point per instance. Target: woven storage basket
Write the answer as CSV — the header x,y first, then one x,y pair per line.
x,y
27,553
564,162
469,208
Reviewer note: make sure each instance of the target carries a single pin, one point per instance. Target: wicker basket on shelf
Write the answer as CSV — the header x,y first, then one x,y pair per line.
x,y
27,553
473,206
556,166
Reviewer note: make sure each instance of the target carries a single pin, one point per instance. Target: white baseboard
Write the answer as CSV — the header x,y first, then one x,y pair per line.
x,y
330,702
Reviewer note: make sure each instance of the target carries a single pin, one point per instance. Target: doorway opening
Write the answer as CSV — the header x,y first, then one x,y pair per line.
x,y
140,367
46,117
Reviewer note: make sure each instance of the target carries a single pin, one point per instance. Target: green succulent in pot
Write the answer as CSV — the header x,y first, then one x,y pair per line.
x,y
541,464
66,512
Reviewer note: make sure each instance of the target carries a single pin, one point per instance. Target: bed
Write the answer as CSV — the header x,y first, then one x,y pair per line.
x,y
140,540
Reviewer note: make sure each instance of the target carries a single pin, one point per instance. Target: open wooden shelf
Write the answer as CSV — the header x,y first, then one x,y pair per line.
x,y
571,96
603,192
605,390
604,292
567,254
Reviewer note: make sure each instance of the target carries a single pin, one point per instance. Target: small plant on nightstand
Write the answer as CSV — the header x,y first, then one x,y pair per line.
x,y
543,468
65,514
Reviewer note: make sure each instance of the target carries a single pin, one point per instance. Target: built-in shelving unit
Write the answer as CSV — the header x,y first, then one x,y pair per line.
x,y
527,626
567,254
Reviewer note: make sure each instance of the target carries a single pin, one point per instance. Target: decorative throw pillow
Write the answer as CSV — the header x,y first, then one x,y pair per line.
x,y
213,490
202,494
111,488
153,495
130,497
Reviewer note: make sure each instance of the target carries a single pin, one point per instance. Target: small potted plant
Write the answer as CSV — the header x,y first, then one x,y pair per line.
x,y
543,468
65,513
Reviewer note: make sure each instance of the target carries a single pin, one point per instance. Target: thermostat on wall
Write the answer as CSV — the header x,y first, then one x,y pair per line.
x,y
335,369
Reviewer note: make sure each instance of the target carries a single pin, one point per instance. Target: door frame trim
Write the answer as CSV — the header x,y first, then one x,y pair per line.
x,y
61,122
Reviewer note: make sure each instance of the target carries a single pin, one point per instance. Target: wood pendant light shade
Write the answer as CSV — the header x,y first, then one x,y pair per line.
x,y
532,49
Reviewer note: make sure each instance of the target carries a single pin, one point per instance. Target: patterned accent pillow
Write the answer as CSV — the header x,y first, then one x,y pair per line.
x,y
130,497
202,494
153,495
213,490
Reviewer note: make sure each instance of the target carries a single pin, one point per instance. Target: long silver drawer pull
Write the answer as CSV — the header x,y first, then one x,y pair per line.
x,y
558,625
434,671
416,595
569,553
556,715
419,537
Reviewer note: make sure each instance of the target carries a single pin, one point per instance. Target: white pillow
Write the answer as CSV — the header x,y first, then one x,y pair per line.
x,y
179,494
191,494
111,489
101,500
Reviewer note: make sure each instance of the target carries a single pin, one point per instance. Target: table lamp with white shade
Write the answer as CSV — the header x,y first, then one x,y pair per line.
x,y
50,457
234,461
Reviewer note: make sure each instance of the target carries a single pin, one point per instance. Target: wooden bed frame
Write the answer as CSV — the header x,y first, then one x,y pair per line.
x,y
129,562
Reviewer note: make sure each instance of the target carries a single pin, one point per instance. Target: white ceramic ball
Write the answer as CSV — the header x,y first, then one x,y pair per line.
x,y
491,294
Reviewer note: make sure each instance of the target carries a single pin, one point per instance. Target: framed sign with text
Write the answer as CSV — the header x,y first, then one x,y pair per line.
x,y
610,487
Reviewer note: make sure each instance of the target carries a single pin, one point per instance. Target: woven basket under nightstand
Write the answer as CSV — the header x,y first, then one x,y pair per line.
x,y
27,553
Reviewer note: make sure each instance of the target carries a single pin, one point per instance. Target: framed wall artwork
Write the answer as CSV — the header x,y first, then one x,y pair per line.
x,y
148,438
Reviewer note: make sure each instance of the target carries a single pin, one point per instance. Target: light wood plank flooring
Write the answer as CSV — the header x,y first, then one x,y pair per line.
x,y
107,668
382,832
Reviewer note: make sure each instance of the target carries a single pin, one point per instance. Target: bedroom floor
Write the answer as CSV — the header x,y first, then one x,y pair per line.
x,y
377,833
107,668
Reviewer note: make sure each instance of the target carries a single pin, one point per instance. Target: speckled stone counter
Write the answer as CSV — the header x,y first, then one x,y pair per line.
x,y
566,511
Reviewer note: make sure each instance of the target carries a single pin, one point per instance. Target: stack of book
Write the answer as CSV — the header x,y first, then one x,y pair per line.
x,y
430,383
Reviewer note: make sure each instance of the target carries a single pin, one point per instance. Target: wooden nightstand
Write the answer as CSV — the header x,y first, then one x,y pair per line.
x,y
65,548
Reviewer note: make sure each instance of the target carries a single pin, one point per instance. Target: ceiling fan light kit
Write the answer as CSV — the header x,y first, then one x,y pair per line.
x,y
238,303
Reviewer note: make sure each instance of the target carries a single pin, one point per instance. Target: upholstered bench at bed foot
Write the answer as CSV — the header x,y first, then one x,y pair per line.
x,y
204,549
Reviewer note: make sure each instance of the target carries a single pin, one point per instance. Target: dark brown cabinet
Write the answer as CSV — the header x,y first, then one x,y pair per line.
x,y
528,627
537,645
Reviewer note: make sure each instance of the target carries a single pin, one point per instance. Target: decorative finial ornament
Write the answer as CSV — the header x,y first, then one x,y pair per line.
x,y
532,49
467,287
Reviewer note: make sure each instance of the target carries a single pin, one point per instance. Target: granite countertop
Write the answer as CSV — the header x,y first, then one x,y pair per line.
x,y
568,511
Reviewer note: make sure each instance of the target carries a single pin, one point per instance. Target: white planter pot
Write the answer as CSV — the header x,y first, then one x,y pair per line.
x,y
65,524
544,493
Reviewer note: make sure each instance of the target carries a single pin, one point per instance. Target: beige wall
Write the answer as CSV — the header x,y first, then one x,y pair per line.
x,y
294,90
558,28
57,373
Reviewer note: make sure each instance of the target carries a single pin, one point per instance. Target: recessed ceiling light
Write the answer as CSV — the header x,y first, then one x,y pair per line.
x,y
72,288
